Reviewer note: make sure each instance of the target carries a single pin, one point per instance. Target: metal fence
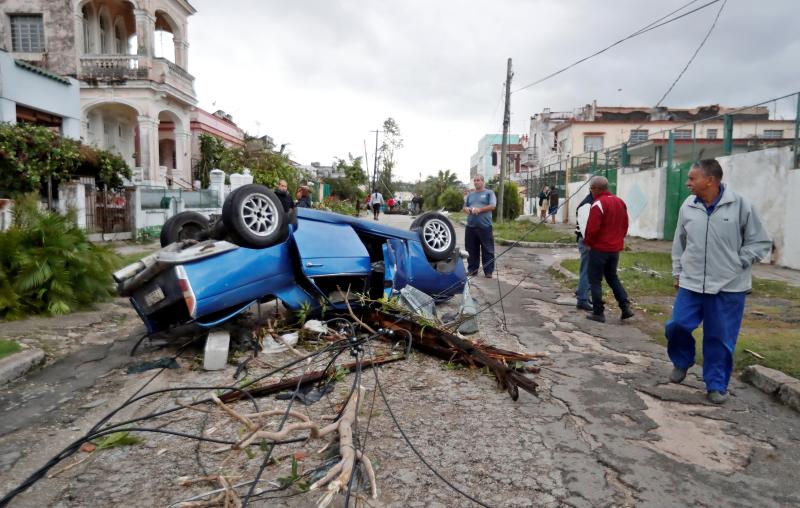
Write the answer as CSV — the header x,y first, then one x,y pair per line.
x,y
770,124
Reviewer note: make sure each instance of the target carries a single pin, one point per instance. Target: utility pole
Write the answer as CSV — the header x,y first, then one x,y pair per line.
x,y
375,164
366,165
504,146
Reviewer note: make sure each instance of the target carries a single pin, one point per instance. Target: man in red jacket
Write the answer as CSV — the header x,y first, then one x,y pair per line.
x,y
605,238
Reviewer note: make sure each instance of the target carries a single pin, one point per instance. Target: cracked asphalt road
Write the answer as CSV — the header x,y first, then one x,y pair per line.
x,y
605,430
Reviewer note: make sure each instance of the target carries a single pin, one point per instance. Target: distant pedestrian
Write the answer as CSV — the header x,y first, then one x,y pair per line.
x,y
553,199
718,238
582,293
605,238
420,202
283,195
544,197
478,236
375,202
303,196
390,203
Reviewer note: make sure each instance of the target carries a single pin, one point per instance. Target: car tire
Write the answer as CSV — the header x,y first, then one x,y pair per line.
x,y
437,235
184,226
254,217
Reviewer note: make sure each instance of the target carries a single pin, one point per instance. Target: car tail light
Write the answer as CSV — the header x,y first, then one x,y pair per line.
x,y
186,289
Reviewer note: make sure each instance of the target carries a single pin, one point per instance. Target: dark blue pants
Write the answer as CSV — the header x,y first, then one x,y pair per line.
x,y
721,315
604,264
582,293
480,246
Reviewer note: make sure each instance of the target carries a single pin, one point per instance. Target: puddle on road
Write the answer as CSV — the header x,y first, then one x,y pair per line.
x,y
691,438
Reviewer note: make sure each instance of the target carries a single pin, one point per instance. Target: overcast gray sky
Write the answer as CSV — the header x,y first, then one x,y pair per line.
x,y
320,74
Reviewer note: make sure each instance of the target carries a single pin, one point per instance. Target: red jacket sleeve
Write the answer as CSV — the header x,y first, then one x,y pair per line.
x,y
594,223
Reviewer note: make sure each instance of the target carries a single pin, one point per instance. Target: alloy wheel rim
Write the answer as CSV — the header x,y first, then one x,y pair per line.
x,y
259,214
437,235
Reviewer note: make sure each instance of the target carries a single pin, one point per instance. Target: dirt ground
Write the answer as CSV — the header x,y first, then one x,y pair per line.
x,y
605,428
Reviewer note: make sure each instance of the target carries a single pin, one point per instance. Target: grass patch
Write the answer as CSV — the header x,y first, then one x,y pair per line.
x,y
9,347
769,326
127,259
529,231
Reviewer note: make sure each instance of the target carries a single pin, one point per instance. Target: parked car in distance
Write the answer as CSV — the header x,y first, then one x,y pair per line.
x,y
307,259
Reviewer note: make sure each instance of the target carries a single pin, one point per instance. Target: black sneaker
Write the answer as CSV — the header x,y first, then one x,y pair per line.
x,y
600,318
626,313
585,306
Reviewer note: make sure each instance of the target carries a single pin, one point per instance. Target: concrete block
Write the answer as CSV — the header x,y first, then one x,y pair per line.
x,y
14,366
216,354
765,379
789,394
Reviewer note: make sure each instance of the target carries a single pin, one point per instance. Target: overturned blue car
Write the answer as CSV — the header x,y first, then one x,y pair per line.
x,y
209,271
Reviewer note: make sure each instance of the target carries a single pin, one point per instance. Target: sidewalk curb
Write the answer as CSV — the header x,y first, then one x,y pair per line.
x,y
534,245
16,365
529,245
775,383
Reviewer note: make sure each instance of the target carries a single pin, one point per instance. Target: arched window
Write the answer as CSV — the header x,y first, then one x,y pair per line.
x,y
120,42
88,44
103,35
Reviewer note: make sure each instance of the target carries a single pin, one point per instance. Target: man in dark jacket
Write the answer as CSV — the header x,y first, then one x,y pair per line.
x,y
283,194
605,238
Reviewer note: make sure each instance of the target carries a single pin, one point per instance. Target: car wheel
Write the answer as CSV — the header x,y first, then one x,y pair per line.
x,y
184,226
254,216
437,235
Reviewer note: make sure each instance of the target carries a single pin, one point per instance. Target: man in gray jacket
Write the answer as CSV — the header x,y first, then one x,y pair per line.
x,y
718,238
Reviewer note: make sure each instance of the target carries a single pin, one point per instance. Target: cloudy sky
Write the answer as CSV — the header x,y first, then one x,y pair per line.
x,y
321,74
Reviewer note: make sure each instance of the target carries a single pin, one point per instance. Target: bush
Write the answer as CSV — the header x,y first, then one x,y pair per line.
x,y
48,266
451,200
512,201
333,204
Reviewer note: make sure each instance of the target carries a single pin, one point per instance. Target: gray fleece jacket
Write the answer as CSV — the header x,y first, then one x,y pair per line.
x,y
713,253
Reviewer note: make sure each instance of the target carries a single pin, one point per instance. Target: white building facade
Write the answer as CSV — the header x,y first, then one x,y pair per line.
x,y
131,58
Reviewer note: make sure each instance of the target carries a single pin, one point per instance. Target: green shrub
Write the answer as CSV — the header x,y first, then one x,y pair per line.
x,y
512,201
48,266
335,205
451,200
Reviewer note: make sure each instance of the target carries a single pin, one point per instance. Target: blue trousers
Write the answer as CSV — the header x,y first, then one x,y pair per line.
x,y
721,315
480,245
582,293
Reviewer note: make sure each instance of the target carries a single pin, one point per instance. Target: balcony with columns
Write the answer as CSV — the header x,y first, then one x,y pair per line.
x,y
120,43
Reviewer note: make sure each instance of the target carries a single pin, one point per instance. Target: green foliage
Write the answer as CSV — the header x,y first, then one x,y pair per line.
x,y
266,166
111,169
117,439
528,231
347,188
338,375
30,154
435,186
48,266
512,201
451,200
333,204
9,347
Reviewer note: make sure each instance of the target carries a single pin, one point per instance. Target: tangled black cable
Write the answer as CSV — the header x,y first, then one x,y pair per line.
x,y
94,433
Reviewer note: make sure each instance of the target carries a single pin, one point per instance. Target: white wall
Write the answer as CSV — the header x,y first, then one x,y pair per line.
x,y
645,194
25,87
766,179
